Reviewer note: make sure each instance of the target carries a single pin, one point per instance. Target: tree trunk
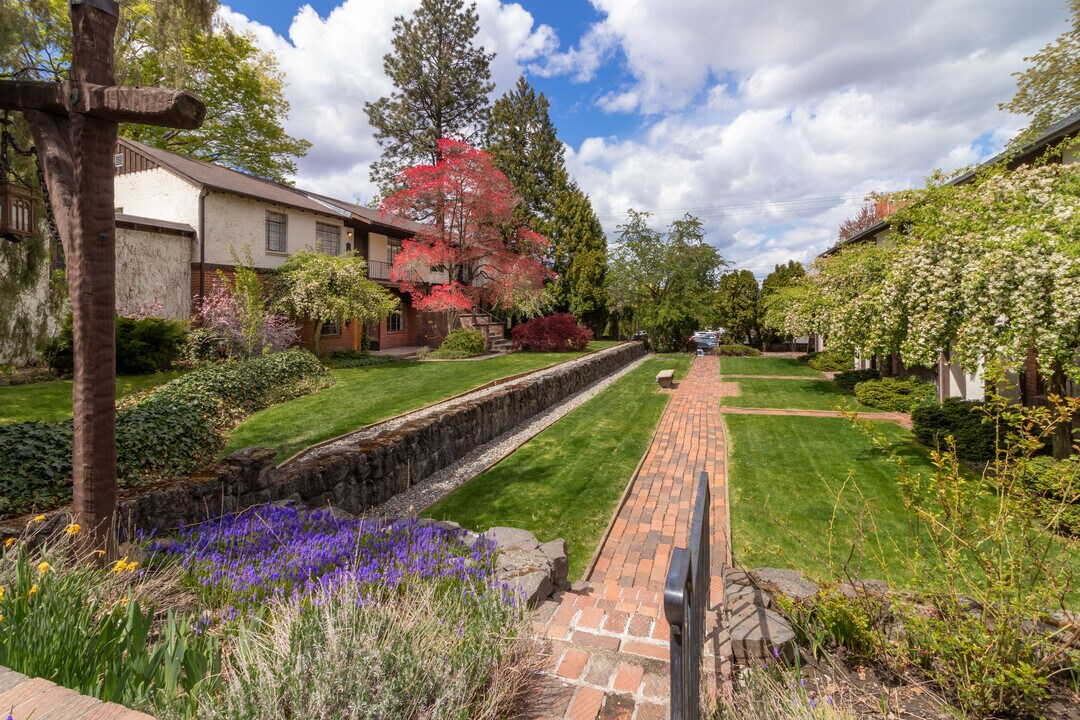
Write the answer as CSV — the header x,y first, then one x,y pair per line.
x,y
318,336
91,262
1062,441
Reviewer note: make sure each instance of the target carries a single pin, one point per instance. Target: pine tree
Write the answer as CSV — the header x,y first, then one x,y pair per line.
x,y
441,91
523,140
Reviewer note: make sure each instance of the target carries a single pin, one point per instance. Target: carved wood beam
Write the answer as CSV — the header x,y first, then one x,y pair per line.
x,y
145,106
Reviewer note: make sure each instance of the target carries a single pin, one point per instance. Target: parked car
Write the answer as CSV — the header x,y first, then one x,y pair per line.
x,y
705,340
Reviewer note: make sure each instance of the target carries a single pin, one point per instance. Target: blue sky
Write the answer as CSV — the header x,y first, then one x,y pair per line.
x,y
770,121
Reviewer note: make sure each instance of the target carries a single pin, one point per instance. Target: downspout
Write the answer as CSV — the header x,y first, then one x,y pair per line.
x,y
202,247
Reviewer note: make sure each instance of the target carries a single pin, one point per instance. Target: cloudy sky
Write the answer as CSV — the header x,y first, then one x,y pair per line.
x,y
770,120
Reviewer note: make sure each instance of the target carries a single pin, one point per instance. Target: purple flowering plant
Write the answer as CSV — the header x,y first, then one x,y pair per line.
x,y
239,561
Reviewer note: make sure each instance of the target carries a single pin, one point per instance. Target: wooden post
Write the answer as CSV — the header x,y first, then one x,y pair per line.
x,y
75,127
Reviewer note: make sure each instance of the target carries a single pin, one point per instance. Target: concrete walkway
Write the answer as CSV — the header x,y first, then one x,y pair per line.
x,y
609,640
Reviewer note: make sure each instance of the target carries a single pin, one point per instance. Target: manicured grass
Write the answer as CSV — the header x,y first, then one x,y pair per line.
x,y
566,481
766,366
51,401
805,491
362,396
793,395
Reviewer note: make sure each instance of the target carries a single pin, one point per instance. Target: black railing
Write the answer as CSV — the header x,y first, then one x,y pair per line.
x,y
686,600
377,270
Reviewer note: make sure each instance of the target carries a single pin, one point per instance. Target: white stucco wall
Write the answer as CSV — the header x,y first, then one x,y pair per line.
x,y
158,194
953,382
153,269
240,223
28,320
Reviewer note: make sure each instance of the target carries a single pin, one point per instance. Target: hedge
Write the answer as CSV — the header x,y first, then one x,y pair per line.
x,y
895,394
462,343
353,359
975,434
738,350
829,360
167,431
143,346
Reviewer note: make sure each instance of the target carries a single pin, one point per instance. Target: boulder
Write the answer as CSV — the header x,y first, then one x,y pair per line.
x,y
789,583
560,565
510,539
757,633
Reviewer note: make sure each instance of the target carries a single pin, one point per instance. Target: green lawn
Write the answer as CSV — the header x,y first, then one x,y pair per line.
x,y
362,396
566,481
766,366
802,489
51,401
793,395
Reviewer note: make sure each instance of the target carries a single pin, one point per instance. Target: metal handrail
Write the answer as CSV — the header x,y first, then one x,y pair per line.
x,y
686,601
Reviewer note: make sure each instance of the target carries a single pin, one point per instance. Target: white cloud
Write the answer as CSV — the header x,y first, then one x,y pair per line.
x,y
333,65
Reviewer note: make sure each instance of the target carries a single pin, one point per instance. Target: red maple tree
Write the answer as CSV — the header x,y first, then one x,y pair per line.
x,y
464,206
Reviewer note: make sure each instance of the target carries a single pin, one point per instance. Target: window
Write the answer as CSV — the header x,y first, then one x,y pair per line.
x,y
276,224
328,239
395,322
330,328
393,247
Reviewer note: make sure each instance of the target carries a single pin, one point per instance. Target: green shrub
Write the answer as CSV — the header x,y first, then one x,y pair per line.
x,y
1054,487
462,343
143,346
171,430
738,350
850,378
828,360
973,431
832,618
353,359
204,345
895,394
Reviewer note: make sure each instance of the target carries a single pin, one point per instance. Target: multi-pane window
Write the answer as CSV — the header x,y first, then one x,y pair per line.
x,y
330,328
395,322
328,239
276,231
393,247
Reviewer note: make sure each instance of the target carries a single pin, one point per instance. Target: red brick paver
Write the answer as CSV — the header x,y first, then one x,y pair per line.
x,y
609,641
25,697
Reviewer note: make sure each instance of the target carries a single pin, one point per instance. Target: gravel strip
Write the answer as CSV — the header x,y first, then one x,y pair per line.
x,y
440,484
372,431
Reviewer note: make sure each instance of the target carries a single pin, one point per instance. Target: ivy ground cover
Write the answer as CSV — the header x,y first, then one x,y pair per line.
x,y
366,395
566,481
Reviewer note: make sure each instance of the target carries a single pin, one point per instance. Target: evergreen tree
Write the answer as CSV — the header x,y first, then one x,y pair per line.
x,y
523,140
441,86
580,258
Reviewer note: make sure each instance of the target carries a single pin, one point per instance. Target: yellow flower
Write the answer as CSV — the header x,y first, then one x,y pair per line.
x,y
99,553
121,565
72,529
39,518
1,593
43,567
33,589
131,566
124,602
9,542
1,618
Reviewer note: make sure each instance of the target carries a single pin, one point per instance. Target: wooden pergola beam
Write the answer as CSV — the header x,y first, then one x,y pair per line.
x,y
146,106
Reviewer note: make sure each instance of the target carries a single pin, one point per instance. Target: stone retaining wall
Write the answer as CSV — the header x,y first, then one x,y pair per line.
x,y
362,476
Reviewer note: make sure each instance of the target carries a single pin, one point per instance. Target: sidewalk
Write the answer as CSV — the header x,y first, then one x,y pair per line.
x,y
609,641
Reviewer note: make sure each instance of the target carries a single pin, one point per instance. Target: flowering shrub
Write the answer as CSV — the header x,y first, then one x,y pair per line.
x,y
170,430
237,324
555,333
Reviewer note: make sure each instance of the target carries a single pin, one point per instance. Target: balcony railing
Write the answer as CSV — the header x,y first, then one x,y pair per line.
x,y
377,270
686,600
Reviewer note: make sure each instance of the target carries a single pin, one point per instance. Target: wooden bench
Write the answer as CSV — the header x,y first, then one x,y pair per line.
x,y
666,378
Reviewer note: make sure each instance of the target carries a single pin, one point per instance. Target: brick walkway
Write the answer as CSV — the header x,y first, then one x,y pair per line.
x,y
26,698
609,640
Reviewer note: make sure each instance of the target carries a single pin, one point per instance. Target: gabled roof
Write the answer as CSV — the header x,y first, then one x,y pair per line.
x,y
222,179
1055,133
